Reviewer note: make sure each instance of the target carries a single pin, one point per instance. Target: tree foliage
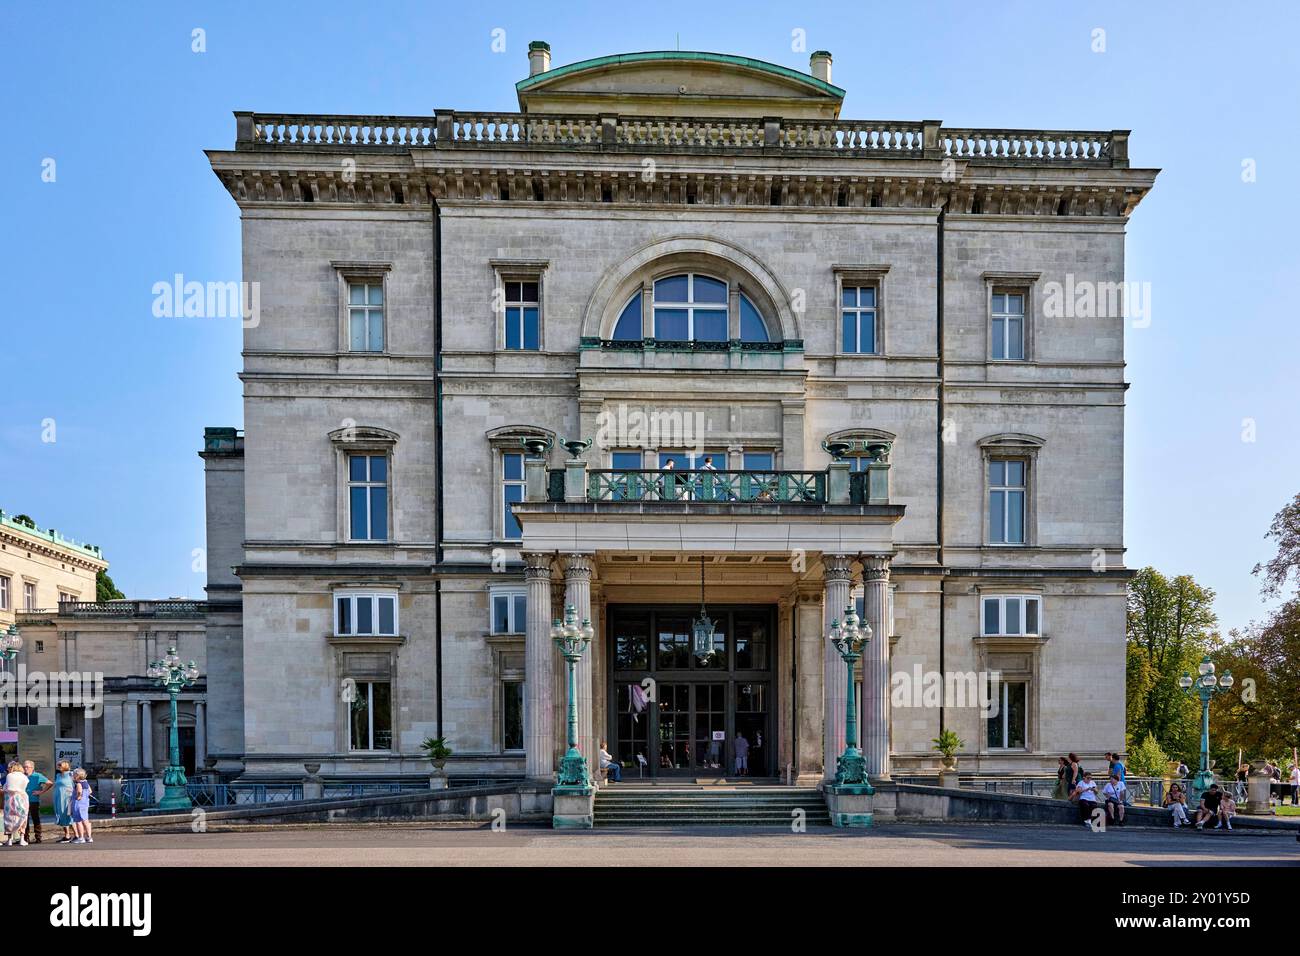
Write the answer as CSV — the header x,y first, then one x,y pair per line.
x,y
105,589
1171,623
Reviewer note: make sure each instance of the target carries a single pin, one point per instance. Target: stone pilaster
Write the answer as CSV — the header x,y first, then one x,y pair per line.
x,y
875,665
577,592
809,656
146,734
539,670
200,734
837,576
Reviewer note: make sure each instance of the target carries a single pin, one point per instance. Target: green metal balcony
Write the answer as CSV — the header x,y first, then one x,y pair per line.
x,y
834,485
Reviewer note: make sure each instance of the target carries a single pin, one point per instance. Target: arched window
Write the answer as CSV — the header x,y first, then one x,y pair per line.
x,y
752,326
690,308
628,326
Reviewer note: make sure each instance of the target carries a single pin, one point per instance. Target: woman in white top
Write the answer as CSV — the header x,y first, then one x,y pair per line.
x,y
15,815
1086,793
1295,785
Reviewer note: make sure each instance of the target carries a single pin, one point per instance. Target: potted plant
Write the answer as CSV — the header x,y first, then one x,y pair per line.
x,y
437,752
948,743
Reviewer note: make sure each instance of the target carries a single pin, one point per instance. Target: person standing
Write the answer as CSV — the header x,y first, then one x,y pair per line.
x,y
81,807
1062,791
742,755
63,799
1116,766
1075,775
1183,770
15,814
1295,784
37,786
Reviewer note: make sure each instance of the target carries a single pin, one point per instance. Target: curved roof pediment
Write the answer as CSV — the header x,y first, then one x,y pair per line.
x,y
679,82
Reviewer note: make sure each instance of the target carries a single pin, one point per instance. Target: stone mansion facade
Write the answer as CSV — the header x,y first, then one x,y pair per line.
x,y
821,362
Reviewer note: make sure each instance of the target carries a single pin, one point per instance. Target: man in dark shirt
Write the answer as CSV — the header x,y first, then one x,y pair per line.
x,y
1209,808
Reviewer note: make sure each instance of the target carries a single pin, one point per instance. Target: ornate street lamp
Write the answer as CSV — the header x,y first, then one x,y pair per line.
x,y
1206,686
702,628
572,640
849,639
173,674
11,642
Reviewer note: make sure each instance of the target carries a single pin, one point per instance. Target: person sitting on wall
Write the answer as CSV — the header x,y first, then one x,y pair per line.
x,y
1209,808
1086,794
608,763
1176,803
1227,810
1114,794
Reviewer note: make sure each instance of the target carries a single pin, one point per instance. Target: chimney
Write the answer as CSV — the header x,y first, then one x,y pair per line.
x,y
539,57
821,65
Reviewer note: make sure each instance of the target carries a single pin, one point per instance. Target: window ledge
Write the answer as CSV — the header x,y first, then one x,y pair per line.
x,y
367,639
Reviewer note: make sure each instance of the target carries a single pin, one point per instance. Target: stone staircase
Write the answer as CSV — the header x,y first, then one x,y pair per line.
x,y
710,806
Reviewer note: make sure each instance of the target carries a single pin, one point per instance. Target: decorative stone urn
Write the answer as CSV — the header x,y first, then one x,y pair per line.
x,y
1259,784
313,785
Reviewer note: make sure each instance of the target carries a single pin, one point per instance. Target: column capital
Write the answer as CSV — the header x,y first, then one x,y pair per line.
x,y
577,566
875,567
537,564
837,567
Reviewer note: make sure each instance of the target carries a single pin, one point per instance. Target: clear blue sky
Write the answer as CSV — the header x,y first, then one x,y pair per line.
x,y
114,94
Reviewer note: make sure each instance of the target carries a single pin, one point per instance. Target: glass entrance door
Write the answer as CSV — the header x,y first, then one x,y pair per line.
x,y
690,715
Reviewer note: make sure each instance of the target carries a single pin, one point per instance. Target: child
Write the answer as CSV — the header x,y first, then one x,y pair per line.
x,y
1227,809
81,807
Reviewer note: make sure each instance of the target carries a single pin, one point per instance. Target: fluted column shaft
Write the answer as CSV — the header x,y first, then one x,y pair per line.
x,y
875,665
539,670
577,592
837,576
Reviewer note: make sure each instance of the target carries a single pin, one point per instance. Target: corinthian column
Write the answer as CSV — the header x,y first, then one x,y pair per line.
x,y
837,574
875,665
577,592
539,670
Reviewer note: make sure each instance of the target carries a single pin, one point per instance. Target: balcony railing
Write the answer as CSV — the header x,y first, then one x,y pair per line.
x,y
132,609
455,129
706,485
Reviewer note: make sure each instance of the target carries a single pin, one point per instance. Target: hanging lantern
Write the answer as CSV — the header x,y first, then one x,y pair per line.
x,y
702,628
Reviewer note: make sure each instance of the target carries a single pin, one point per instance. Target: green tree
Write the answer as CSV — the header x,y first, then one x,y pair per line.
x,y
105,589
1147,759
1171,624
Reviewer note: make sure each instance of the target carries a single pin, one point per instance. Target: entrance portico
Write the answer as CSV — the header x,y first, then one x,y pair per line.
x,y
774,571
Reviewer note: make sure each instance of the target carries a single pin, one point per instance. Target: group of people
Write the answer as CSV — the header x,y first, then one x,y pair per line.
x,y
1216,804
1280,785
1075,783
23,788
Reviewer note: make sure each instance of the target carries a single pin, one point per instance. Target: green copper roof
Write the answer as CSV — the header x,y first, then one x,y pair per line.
x,y
687,55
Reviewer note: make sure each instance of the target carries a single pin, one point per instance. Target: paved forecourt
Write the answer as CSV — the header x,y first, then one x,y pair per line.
x,y
478,845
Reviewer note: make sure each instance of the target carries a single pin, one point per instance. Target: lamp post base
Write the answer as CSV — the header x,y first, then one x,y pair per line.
x,y
850,805
574,808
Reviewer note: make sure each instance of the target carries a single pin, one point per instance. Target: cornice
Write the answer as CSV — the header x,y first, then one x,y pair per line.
x,y
301,179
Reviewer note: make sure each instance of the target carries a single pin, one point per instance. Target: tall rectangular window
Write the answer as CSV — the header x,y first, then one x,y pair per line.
x,y
1008,325
4,593
371,716
1007,501
512,715
1008,728
858,320
366,316
29,596
368,497
512,490
509,611
523,316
